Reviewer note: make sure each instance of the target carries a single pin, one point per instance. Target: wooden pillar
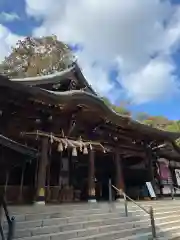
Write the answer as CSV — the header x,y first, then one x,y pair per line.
x,y
41,178
119,180
151,169
22,182
6,184
150,166
91,177
159,180
150,159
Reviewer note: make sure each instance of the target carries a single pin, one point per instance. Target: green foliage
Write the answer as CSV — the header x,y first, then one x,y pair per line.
x,y
106,101
159,122
121,110
141,116
174,126
118,109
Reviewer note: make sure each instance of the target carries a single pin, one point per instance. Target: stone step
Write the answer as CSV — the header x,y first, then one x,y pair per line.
x,y
102,233
137,233
122,223
80,227
41,221
170,232
67,218
67,213
64,221
85,207
155,207
133,216
168,211
51,208
105,226
96,221
96,218
136,236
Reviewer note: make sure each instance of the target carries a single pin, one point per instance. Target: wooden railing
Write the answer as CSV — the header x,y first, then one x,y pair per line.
x,y
10,221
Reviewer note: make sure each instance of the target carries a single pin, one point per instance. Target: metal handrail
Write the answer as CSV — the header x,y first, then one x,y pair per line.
x,y
150,212
173,192
176,188
10,221
123,193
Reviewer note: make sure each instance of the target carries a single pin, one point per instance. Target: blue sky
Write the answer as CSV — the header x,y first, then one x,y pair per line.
x,y
22,26
116,81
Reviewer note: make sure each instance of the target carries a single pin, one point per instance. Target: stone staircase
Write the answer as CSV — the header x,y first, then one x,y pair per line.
x,y
101,221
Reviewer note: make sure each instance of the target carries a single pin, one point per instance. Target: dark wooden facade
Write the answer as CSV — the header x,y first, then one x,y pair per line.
x,y
80,142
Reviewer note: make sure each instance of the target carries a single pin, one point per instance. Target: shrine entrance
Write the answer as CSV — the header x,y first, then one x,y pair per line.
x,y
67,177
136,175
105,170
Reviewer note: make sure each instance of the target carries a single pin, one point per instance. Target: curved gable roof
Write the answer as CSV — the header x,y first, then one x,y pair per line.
x,y
57,78
86,98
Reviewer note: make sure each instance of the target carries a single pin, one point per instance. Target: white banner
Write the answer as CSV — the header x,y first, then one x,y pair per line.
x,y
150,189
177,173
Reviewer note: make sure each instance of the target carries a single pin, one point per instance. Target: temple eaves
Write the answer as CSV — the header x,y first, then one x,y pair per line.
x,y
33,87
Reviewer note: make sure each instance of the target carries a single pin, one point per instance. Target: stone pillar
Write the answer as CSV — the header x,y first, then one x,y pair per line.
x,y
41,178
119,180
91,177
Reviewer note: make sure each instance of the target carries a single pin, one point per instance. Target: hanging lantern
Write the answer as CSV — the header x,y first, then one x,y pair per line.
x,y
85,151
74,152
60,147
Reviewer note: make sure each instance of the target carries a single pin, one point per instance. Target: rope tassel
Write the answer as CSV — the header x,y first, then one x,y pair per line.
x,y
60,147
85,150
74,152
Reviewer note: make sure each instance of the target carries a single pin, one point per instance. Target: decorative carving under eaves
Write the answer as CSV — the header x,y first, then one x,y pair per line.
x,y
72,85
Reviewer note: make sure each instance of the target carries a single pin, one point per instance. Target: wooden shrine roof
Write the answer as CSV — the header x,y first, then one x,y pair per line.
x,y
57,77
39,80
171,151
86,99
9,143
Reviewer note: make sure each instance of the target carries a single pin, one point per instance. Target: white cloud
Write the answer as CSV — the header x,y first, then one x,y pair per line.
x,y
7,40
155,80
8,17
126,32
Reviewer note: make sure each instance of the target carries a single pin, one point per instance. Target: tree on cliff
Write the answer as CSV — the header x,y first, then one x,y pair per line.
x,y
36,56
